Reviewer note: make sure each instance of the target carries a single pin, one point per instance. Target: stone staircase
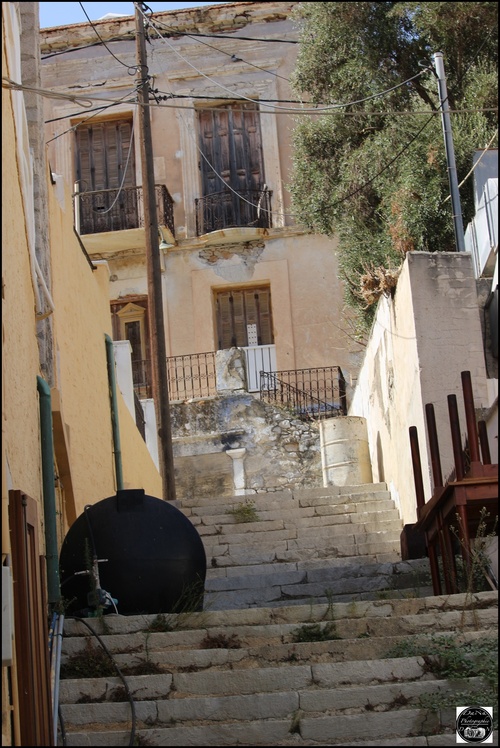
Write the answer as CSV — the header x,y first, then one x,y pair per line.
x,y
314,632
314,544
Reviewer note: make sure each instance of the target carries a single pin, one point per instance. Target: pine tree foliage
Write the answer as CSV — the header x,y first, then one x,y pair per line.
x,y
376,178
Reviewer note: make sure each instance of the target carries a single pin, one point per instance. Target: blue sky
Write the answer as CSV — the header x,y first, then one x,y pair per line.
x,y
61,14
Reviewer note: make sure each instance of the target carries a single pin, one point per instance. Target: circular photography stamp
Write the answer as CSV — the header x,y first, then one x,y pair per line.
x,y
474,724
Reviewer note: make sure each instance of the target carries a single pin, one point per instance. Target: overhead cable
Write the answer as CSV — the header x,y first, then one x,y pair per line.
x,y
326,108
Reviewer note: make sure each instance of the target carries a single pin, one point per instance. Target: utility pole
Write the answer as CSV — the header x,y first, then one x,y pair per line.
x,y
450,152
153,265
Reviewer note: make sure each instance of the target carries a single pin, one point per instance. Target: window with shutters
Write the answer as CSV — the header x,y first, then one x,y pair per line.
x,y
232,169
105,172
244,317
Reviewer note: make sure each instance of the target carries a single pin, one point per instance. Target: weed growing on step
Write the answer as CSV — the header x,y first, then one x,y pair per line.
x,y
452,660
189,603
220,641
244,512
91,662
295,726
316,632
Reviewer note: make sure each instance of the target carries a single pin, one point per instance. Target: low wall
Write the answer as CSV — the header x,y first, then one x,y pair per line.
x,y
235,443
421,341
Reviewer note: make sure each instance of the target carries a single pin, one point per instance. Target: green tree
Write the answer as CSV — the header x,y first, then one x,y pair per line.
x,y
367,173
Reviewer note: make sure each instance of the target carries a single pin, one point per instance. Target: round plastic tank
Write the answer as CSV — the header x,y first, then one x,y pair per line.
x,y
151,558
345,453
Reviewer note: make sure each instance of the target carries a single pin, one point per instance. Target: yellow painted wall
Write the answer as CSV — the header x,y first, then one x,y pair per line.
x,y
20,363
82,319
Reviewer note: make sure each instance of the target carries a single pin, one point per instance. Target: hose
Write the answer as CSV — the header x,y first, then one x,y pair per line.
x,y
125,684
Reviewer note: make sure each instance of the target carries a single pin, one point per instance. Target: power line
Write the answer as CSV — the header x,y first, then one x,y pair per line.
x,y
318,109
221,51
129,67
495,134
97,111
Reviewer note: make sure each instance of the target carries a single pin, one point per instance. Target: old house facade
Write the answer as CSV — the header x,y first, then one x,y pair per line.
x,y
237,269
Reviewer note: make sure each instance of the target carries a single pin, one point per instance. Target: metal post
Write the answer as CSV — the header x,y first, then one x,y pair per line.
x,y
156,326
450,152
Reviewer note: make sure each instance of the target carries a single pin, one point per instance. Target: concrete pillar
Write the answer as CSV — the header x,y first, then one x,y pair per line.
x,y
238,470
123,359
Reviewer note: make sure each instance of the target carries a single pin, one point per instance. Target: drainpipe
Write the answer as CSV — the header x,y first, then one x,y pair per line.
x,y
114,412
49,492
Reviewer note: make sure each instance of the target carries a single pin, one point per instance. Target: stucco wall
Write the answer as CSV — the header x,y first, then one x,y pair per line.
x,y
420,343
81,319
20,366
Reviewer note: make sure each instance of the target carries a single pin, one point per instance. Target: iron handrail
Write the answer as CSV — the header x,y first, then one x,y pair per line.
x,y
300,399
227,209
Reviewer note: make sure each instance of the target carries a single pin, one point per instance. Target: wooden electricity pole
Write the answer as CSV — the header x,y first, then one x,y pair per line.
x,y
156,323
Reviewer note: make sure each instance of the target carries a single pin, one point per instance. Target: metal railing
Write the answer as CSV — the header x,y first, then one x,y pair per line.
x,y
119,210
226,209
189,376
140,420
309,393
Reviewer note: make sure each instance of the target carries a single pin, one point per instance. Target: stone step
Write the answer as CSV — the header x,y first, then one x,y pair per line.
x,y
323,539
240,677
378,609
271,511
327,580
271,719
367,521
135,635
218,649
302,496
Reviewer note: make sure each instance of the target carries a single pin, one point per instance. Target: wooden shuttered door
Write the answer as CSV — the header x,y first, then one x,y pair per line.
x,y
102,151
244,317
233,164
31,623
105,161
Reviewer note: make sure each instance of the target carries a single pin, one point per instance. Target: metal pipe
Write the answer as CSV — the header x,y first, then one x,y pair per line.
x,y
114,412
456,437
450,152
49,492
470,416
417,468
434,445
483,440
57,668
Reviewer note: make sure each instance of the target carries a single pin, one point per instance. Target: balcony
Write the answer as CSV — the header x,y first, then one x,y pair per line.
x,y
110,221
226,209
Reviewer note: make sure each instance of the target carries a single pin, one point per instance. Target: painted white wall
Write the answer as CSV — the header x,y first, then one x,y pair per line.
x,y
420,343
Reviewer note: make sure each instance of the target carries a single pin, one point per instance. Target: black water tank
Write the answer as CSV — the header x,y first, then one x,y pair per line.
x,y
155,559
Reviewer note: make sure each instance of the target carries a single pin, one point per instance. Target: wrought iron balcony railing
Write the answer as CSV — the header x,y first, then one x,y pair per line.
x,y
119,210
226,209
309,393
189,376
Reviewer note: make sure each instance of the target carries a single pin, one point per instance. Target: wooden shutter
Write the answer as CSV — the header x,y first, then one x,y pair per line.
x,y
241,307
102,150
230,139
